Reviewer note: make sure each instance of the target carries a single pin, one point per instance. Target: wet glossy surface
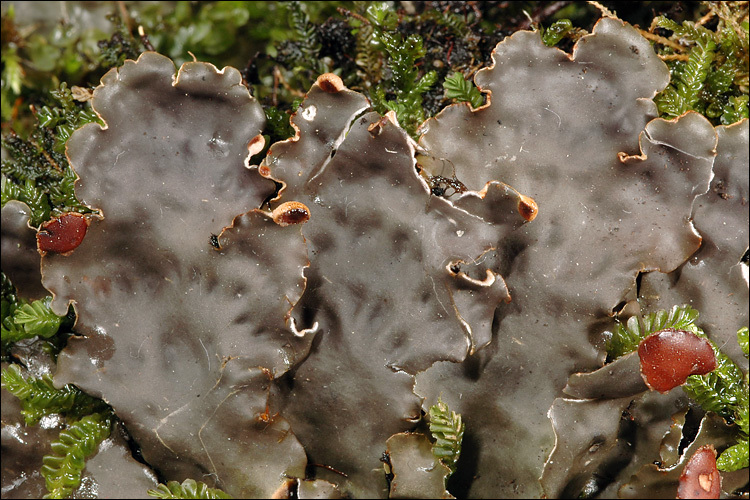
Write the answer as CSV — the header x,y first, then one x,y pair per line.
x,y
670,356
62,234
700,478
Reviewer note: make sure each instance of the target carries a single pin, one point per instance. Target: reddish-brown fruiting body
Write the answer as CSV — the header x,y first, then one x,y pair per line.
x,y
291,212
62,234
328,82
700,478
256,145
528,208
670,356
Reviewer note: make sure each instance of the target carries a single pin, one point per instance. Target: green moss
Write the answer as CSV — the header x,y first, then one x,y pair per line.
x,y
709,66
742,340
190,488
556,32
39,397
23,319
625,338
447,430
37,171
62,469
462,90
89,422
403,89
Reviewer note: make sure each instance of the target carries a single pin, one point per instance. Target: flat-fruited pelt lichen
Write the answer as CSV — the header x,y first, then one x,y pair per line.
x,y
238,345
183,288
721,215
398,278
564,130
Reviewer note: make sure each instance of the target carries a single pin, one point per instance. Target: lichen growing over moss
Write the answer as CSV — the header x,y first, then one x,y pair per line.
x,y
460,228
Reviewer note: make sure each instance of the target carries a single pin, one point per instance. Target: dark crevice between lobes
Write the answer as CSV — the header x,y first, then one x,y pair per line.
x,y
690,428
459,483
278,186
619,307
606,473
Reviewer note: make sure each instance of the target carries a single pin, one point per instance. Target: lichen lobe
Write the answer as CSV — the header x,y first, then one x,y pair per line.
x,y
184,376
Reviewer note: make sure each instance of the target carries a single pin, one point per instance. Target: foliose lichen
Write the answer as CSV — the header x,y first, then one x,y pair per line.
x,y
277,305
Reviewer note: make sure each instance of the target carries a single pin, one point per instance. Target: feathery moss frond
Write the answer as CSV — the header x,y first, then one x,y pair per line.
x,y
688,82
306,34
742,340
459,88
22,319
28,192
447,429
38,319
738,456
65,116
734,458
92,423
39,397
404,83
11,332
36,171
625,338
445,17
687,30
304,51
714,78
725,391
718,391
32,161
189,488
62,470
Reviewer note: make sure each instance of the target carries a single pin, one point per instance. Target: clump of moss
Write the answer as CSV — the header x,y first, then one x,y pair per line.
x,y
709,61
88,422
37,171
